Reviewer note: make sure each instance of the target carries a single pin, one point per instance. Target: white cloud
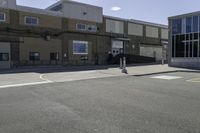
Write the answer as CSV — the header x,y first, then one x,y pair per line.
x,y
115,8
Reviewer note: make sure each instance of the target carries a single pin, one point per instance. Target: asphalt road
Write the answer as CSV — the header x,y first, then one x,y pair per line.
x,y
108,105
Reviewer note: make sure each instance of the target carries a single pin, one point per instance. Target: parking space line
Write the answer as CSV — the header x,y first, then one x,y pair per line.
x,y
194,80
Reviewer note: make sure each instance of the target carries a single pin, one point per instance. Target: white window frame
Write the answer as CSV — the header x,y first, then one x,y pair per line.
x,y
82,42
81,28
32,18
4,17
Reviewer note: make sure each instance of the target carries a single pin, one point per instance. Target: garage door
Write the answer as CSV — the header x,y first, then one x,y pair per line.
x,y
4,55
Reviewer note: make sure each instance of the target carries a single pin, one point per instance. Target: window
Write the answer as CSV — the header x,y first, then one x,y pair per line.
x,y
54,56
4,56
34,56
31,20
92,28
188,24
195,23
81,26
2,17
177,26
80,47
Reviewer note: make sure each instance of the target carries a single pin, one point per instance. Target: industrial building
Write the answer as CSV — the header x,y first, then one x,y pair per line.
x,y
72,33
184,47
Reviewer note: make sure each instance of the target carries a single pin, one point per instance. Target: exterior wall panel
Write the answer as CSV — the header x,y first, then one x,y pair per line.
x,y
114,26
82,11
164,33
152,32
135,29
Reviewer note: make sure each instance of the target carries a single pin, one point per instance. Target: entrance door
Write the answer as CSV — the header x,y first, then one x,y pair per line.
x,y
4,55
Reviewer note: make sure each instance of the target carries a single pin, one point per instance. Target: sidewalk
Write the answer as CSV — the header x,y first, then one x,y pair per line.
x,y
147,70
41,75
133,69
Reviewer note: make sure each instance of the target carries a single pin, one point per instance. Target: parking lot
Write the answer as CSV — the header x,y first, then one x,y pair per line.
x,y
102,103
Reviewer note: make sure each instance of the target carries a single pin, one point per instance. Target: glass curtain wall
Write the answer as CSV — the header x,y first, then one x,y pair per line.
x,y
186,37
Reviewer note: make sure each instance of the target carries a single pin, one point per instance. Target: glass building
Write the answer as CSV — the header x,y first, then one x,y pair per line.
x,y
184,40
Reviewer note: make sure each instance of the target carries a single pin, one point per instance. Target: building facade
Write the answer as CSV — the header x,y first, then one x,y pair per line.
x,y
72,33
184,41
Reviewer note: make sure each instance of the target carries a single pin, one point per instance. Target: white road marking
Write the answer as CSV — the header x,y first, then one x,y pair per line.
x,y
166,77
194,80
42,77
24,84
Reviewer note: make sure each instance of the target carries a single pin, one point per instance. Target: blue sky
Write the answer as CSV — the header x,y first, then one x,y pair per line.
x,y
147,10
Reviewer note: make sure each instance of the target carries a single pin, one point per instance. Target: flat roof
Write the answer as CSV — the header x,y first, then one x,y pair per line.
x,y
184,15
69,1
137,21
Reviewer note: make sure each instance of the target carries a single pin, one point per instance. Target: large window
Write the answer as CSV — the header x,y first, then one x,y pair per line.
x,y
31,20
176,26
195,24
80,47
34,56
4,56
188,24
2,17
186,37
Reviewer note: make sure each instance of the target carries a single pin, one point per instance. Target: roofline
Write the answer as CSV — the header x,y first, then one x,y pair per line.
x,y
70,1
53,5
137,21
75,2
184,15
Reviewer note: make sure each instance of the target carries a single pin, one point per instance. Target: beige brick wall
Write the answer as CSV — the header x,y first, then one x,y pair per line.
x,y
44,20
39,45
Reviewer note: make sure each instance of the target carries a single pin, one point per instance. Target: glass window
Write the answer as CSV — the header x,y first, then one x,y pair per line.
x,y
92,28
183,26
188,24
187,36
31,20
80,47
195,36
190,49
81,26
4,56
34,56
187,45
2,16
195,23
54,56
195,48
176,26
173,46
180,46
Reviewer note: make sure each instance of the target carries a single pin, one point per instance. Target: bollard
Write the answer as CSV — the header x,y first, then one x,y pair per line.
x,y
124,70
121,63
